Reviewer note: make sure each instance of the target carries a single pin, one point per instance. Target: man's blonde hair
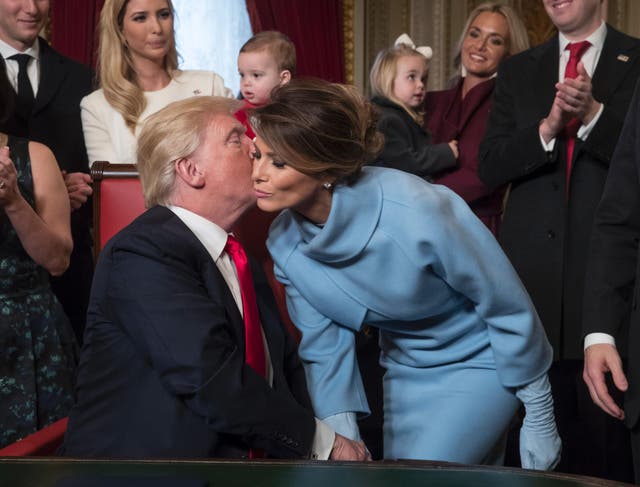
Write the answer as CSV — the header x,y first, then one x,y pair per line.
x,y
170,134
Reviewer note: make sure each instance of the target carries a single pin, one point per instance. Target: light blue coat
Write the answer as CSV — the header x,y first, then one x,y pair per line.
x,y
458,330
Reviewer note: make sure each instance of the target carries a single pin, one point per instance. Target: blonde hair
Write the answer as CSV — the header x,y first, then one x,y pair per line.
x,y
278,45
324,130
115,66
170,134
518,40
384,71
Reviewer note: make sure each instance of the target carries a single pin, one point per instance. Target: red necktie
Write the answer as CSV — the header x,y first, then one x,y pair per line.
x,y
254,346
576,50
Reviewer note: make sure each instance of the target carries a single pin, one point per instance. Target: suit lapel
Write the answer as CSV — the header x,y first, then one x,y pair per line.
x,y
617,57
212,277
52,75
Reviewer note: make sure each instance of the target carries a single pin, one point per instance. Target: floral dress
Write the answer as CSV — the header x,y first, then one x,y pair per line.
x,y
36,340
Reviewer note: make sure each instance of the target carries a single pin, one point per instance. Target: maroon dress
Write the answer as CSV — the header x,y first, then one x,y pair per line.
x,y
447,117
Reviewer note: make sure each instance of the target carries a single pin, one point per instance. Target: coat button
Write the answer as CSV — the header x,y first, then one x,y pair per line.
x,y
551,234
555,186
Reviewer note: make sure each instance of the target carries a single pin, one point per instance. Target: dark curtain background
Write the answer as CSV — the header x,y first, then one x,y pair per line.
x,y
74,28
314,27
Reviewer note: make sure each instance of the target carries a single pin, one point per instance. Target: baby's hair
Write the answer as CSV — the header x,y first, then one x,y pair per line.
x,y
278,45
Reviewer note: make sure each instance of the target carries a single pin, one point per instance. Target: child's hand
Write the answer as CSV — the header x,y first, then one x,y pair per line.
x,y
454,148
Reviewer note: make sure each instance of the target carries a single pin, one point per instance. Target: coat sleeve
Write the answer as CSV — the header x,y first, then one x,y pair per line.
x,y
96,133
219,89
327,350
399,153
613,254
175,315
510,151
466,256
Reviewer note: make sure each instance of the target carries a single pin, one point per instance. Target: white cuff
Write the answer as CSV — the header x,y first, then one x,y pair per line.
x,y
597,339
323,441
344,424
585,130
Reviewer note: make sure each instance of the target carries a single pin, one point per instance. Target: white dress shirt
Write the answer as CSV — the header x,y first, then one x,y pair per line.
x,y
590,61
214,239
33,68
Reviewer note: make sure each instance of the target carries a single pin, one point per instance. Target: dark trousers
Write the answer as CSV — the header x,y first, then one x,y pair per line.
x,y
593,443
635,449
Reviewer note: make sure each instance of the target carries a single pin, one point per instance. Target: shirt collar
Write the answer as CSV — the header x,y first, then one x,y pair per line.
x,y
6,50
596,38
213,237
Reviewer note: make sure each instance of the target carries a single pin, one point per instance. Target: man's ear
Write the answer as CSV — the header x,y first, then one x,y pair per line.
x,y
285,77
190,172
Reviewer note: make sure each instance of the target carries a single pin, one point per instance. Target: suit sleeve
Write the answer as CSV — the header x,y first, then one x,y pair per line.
x,y
96,135
613,254
398,152
178,321
510,151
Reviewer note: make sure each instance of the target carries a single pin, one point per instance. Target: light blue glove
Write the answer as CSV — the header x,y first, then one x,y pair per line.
x,y
540,444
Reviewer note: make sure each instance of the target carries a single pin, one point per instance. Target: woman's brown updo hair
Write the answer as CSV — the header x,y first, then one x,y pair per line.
x,y
324,130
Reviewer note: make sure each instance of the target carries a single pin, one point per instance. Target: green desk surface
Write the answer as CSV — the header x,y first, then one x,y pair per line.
x,y
62,472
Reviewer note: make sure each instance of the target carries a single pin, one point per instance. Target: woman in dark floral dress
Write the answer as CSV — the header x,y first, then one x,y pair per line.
x,y
36,341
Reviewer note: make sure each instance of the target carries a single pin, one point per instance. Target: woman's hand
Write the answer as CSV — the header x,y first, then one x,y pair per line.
x,y
540,444
9,193
454,148
79,187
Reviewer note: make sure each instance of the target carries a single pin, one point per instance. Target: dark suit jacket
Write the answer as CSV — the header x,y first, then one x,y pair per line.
x,y
448,116
613,271
545,231
55,122
406,145
162,371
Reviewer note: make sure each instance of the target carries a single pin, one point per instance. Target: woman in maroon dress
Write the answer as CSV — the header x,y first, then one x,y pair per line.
x,y
492,33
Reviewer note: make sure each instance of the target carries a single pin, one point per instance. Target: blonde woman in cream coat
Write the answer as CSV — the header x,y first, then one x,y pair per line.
x,y
137,69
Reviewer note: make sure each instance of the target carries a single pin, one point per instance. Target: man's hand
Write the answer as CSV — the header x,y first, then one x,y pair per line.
x,y
598,360
575,97
78,186
349,450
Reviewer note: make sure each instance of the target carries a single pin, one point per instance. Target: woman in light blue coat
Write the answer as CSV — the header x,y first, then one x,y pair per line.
x,y
460,339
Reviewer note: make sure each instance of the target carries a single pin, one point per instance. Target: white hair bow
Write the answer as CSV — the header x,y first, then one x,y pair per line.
x,y
426,51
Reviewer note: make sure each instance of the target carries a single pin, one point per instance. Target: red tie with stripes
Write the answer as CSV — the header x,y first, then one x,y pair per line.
x,y
576,50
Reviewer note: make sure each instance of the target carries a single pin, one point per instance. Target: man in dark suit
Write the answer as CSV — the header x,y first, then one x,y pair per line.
x,y
163,369
611,290
58,85
543,96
